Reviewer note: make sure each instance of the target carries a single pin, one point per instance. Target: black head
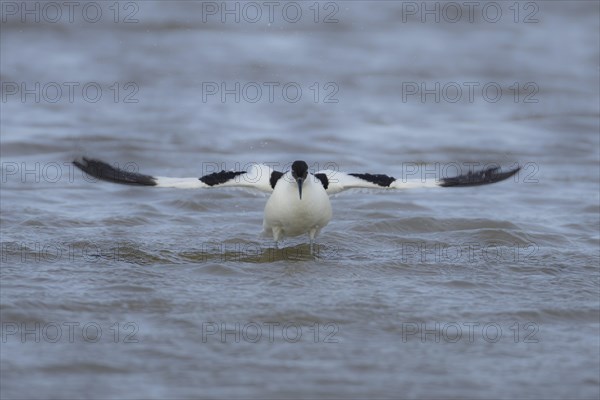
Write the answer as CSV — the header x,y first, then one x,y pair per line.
x,y
299,170
299,173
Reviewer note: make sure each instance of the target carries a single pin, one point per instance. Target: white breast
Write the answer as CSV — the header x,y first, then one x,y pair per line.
x,y
288,215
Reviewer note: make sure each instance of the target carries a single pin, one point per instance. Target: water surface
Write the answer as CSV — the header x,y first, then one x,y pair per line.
x,y
489,292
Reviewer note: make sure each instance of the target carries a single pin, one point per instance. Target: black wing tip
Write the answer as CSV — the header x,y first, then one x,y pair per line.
x,y
106,172
484,177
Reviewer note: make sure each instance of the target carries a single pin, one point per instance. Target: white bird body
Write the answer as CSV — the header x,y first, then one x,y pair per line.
x,y
288,215
299,202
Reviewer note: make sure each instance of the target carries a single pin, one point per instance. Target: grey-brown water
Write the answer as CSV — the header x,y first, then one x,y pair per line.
x,y
123,292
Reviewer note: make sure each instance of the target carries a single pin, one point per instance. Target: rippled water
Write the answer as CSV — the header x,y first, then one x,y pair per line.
x,y
122,292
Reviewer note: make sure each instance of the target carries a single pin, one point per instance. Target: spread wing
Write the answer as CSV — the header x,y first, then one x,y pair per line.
x,y
258,176
335,181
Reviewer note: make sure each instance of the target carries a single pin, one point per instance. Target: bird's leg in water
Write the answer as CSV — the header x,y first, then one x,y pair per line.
x,y
312,234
